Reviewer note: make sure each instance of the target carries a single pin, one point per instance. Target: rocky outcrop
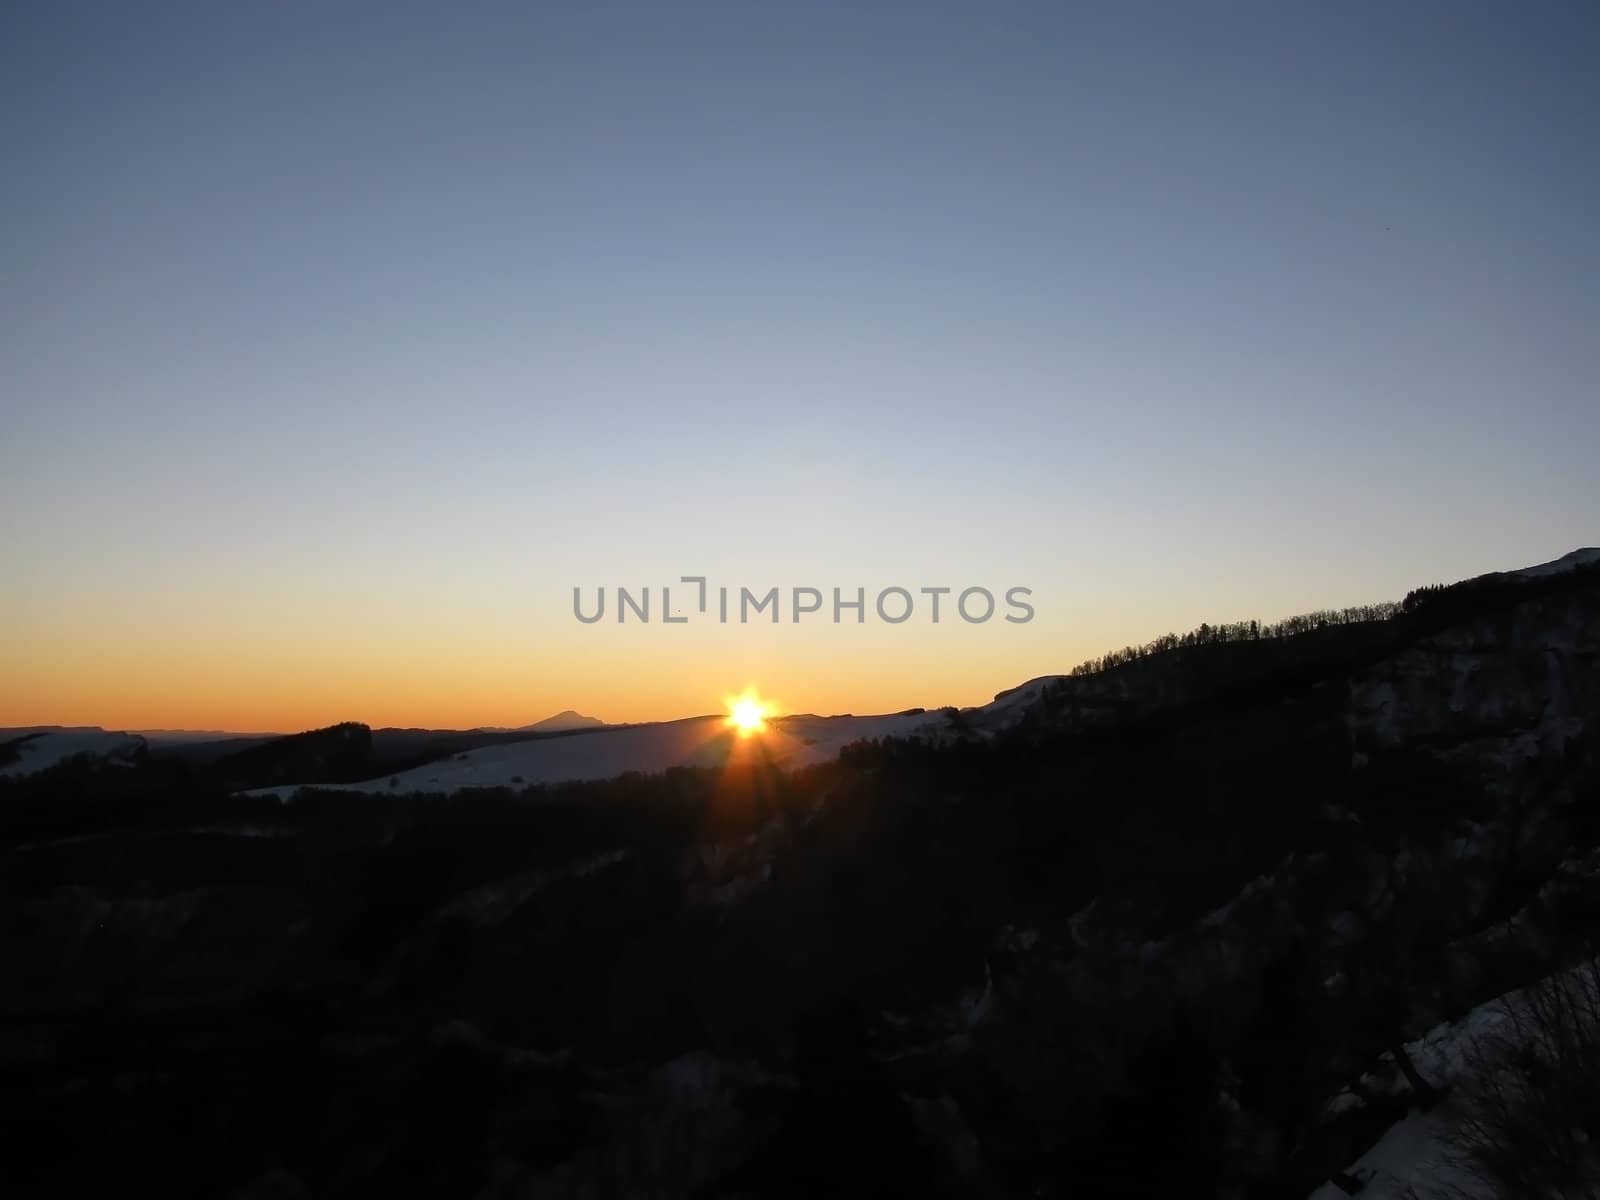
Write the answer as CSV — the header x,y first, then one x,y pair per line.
x,y
1517,684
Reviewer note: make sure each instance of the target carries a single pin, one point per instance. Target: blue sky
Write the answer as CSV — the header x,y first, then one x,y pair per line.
x,y
418,315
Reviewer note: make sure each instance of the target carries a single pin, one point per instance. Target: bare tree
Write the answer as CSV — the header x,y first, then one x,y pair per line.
x,y
1530,1097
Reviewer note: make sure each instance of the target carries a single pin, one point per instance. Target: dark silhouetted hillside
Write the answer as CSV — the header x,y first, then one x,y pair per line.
x,y
1181,930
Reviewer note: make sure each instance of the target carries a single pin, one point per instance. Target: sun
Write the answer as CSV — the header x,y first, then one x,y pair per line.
x,y
747,714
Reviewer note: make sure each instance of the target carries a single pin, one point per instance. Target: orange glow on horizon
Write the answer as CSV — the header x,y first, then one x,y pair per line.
x,y
249,666
139,685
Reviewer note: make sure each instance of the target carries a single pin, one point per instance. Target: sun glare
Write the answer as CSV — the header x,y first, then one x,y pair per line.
x,y
747,714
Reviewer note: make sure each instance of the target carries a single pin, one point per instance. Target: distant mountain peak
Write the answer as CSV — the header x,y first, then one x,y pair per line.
x,y
566,719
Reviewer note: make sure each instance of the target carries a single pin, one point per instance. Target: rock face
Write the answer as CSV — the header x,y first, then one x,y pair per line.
x,y
1147,934
1510,684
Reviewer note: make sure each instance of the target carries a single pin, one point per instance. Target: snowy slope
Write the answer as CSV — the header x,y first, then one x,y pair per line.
x,y
819,739
41,751
1006,709
1414,1160
1560,566
607,753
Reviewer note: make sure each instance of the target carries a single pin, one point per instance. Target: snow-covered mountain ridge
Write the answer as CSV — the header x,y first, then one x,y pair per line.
x,y
39,751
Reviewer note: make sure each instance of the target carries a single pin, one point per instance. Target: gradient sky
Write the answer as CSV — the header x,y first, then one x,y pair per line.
x,y
339,342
